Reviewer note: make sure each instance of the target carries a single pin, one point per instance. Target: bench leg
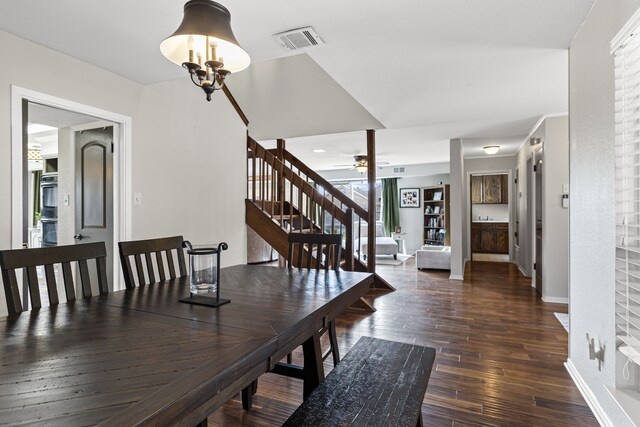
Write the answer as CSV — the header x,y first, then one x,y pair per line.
x,y
333,340
313,370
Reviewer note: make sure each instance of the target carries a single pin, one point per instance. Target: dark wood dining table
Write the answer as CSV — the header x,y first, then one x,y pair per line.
x,y
140,357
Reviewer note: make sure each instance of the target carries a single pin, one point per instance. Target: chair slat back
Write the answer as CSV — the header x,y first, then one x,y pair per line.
x,y
314,251
29,259
143,251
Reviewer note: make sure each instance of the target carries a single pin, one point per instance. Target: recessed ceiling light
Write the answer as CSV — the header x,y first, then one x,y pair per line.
x,y
319,150
491,149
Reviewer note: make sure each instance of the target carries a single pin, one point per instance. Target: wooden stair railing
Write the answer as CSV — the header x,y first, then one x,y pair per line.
x,y
298,199
360,215
344,202
288,199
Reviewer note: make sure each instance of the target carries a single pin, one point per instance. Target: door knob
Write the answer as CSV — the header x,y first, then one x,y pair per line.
x,y
80,236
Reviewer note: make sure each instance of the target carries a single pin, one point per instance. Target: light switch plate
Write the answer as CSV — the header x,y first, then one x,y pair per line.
x,y
565,188
137,199
66,200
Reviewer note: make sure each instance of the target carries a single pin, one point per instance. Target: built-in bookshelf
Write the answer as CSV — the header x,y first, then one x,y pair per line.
x,y
435,204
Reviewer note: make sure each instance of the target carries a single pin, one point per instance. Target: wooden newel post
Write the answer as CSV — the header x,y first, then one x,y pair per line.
x,y
371,180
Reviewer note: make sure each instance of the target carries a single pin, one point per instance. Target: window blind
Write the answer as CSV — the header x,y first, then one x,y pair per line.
x,y
627,191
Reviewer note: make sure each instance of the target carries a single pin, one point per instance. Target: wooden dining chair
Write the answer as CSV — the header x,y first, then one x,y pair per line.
x,y
317,251
150,249
308,251
16,259
314,251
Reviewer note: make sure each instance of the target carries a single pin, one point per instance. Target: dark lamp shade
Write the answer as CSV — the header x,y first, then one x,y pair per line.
x,y
202,19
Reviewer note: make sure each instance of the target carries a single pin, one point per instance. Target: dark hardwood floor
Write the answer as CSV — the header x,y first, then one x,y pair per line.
x,y
500,351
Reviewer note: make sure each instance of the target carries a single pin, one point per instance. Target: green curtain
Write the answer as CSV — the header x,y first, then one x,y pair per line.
x,y
36,196
390,211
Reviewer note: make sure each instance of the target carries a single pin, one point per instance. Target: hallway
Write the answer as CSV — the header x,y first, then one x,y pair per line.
x,y
500,351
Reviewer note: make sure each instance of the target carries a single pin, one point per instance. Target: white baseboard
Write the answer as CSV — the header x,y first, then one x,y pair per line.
x,y
555,300
457,276
524,273
588,395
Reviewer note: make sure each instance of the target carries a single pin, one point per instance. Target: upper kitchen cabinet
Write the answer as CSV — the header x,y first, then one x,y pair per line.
x,y
504,187
476,189
490,189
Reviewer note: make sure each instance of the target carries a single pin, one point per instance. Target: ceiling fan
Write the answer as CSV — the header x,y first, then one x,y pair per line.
x,y
361,164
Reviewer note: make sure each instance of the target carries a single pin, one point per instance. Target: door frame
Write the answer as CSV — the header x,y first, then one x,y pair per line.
x,y
122,189
509,207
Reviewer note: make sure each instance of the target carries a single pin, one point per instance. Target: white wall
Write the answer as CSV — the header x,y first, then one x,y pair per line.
x,y
190,168
457,208
492,211
188,154
591,216
294,96
411,219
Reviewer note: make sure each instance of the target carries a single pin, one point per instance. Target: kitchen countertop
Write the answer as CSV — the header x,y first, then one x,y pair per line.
x,y
504,221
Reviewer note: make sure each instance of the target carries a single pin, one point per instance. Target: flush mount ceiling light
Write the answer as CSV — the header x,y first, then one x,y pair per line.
x,y
204,44
491,149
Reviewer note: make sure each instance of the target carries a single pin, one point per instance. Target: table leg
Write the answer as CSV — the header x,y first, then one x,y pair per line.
x,y
313,368
247,395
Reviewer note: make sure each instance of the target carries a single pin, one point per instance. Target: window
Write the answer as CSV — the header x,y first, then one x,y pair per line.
x,y
627,157
358,191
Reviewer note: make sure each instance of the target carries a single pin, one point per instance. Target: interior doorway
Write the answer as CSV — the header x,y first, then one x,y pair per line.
x,y
489,213
538,170
70,175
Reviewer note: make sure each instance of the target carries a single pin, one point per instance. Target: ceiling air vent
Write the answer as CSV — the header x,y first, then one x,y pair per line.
x,y
399,170
299,38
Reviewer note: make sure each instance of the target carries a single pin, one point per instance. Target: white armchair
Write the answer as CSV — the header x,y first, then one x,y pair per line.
x,y
434,257
384,245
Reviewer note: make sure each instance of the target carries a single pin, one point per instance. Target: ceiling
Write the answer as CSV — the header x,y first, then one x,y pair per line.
x,y
56,117
427,70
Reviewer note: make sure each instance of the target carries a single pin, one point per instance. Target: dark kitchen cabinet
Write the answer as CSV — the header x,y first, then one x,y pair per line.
x,y
490,189
490,237
475,238
502,238
476,189
504,188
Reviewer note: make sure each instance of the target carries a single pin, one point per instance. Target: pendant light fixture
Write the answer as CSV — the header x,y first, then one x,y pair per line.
x,y
491,149
204,44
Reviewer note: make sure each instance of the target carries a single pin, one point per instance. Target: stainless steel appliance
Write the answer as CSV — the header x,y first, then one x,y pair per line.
x,y
49,209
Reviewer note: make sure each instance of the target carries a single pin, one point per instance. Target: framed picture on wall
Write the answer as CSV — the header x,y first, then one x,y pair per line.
x,y
409,197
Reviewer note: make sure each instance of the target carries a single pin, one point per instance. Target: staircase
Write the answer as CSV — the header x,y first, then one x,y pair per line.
x,y
285,196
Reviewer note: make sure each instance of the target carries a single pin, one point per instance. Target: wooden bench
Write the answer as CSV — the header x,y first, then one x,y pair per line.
x,y
378,383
